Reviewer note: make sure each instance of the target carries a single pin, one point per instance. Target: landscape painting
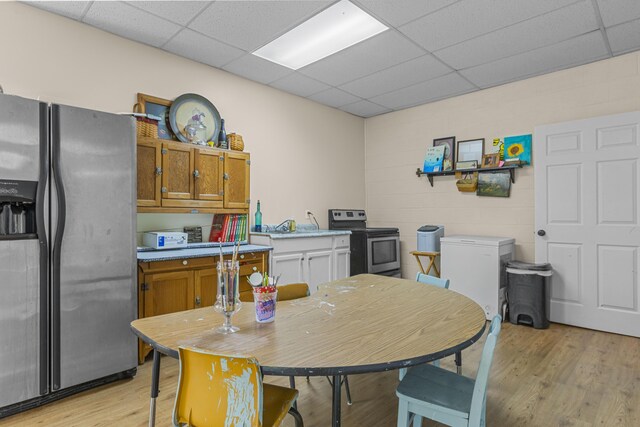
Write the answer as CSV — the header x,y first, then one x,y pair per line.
x,y
494,184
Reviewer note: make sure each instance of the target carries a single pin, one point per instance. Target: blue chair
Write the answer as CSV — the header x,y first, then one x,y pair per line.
x,y
432,280
441,395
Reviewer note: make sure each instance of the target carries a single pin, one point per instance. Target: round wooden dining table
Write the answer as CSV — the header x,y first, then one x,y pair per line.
x,y
360,324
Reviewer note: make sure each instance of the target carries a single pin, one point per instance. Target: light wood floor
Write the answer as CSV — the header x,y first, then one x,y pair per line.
x,y
562,376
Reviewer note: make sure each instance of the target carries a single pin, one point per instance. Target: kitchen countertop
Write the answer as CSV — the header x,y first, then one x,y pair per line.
x,y
194,251
303,231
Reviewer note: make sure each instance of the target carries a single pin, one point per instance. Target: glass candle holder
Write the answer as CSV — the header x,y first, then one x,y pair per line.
x,y
228,298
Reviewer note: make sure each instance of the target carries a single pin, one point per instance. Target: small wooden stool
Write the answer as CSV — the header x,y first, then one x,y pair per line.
x,y
432,261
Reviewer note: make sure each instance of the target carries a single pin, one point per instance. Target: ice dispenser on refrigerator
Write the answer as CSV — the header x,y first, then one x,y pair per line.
x,y
17,209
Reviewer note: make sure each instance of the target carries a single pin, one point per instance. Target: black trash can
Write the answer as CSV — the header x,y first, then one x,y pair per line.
x,y
527,286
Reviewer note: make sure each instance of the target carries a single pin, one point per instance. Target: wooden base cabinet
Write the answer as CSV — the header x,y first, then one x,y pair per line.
x,y
184,284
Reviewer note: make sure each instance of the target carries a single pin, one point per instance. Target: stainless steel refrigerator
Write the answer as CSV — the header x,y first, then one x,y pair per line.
x,y
67,250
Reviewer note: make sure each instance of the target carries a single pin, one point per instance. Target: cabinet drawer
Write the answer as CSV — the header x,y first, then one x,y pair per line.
x,y
178,264
250,256
247,268
301,244
342,241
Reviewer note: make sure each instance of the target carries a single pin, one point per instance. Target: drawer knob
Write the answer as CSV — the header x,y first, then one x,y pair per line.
x,y
255,268
185,262
241,256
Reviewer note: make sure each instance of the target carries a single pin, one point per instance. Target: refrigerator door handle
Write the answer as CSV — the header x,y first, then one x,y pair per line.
x,y
42,226
57,245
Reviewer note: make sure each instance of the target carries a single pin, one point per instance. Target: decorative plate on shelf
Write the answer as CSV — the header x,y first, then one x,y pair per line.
x,y
192,111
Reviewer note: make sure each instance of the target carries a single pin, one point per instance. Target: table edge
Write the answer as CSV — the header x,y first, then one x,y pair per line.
x,y
337,370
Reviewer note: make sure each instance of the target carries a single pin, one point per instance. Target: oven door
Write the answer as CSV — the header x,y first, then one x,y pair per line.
x,y
383,253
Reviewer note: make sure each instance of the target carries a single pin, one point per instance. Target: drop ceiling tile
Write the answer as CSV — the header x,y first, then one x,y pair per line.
x,y
391,13
334,97
201,48
377,53
180,12
299,84
576,51
127,21
624,37
257,69
365,109
467,19
614,12
249,25
406,74
442,87
543,30
70,9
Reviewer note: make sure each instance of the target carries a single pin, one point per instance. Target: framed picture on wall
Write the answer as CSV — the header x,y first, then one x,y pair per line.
x,y
494,184
469,150
449,144
148,104
491,160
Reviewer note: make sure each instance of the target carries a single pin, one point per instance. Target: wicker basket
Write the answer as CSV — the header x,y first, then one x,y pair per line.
x,y
467,185
235,142
145,126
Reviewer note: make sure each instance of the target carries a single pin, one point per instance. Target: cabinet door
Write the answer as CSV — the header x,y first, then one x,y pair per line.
x,y
208,174
149,170
168,293
206,287
177,171
289,266
236,180
342,265
319,268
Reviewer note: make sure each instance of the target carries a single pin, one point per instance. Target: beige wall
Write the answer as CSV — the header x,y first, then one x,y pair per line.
x,y
304,155
396,144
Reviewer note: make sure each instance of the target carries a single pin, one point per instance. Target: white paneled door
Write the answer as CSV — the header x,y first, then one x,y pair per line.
x,y
587,220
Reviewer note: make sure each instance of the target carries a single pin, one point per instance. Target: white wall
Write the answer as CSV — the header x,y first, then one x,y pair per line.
x,y
396,144
304,155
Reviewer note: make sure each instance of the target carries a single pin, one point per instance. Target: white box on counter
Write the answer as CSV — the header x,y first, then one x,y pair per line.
x,y
165,240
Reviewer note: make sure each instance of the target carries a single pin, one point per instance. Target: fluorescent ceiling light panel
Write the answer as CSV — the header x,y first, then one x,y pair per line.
x,y
335,28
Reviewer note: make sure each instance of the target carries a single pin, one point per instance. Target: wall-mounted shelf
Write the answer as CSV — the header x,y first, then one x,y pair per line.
x,y
430,175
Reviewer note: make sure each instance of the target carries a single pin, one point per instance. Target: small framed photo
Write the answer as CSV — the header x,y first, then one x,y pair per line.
x,y
469,150
494,184
158,107
449,151
468,165
491,160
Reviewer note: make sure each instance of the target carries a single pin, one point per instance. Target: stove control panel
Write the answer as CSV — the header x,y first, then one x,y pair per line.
x,y
347,215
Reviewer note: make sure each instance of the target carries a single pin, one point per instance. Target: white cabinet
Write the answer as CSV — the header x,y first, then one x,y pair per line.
x,y
289,266
342,263
314,260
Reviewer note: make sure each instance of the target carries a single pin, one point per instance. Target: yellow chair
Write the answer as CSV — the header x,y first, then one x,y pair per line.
x,y
216,391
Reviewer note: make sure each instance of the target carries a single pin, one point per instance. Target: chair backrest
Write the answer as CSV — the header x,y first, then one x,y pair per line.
x,y
431,280
217,390
292,291
482,377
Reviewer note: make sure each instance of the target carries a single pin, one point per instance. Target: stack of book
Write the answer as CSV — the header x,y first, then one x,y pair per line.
x,y
228,228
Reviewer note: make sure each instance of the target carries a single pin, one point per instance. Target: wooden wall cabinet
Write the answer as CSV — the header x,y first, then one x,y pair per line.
x,y
184,178
177,285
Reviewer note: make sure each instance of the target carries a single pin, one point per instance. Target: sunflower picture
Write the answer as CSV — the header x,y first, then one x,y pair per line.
x,y
518,147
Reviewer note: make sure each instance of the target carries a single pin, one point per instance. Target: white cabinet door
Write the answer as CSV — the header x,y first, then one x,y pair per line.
x,y
587,217
289,266
342,263
319,268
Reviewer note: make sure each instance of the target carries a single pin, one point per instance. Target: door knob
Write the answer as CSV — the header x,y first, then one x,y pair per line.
x,y
541,232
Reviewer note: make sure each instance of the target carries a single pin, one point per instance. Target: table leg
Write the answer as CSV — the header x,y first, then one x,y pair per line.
x,y
155,381
459,362
335,409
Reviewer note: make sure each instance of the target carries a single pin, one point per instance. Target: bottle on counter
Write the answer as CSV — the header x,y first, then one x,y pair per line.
x,y
222,136
258,219
292,225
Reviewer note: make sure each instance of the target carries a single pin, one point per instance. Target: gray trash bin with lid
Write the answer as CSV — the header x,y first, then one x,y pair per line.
x,y
527,286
